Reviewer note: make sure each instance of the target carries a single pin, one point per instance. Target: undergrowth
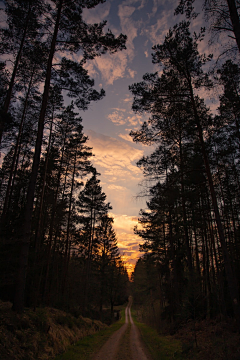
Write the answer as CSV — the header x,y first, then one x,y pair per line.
x,y
88,345
40,334
213,339
160,347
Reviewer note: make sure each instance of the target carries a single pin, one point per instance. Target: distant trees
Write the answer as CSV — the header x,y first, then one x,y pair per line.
x,y
46,158
92,207
189,239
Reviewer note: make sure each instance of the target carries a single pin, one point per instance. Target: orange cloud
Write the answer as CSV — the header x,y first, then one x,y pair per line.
x,y
128,242
121,117
115,157
117,117
126,137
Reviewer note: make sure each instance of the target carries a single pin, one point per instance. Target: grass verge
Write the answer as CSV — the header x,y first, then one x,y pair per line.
x,y
160,347
88,345
40,334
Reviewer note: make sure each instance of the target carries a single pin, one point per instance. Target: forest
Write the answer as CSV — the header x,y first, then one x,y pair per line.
x,y
190,229
58,245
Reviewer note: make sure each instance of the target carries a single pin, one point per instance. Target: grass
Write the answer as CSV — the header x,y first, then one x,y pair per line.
x,y
40,334
160,347
88,345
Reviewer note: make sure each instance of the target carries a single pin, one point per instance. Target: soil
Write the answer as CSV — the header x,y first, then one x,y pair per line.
x,y
125,343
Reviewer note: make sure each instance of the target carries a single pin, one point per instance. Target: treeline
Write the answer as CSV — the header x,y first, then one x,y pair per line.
x,y
58,246
191,226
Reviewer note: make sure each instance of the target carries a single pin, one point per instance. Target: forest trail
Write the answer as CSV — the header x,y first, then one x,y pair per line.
x,y
125,343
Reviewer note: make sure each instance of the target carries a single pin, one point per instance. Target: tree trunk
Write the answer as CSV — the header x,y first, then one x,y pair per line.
x,y
37,237
187,242
231,278
196,244
7,197
50,235
235,20
65,267
18,304
11,84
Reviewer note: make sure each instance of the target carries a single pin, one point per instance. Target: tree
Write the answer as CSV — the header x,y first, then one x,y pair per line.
x,y
30,71
107,257
92,207
23,19
70,34
147,288
182,66
230,99
223,15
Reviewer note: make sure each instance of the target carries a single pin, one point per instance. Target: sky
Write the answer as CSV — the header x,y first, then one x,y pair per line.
x,y
109,121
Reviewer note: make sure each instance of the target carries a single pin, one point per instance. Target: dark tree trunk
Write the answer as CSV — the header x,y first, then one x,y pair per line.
x,y
39,223
11,84
189,253
235,20
18,304
231,278
196,244
14,161
67,249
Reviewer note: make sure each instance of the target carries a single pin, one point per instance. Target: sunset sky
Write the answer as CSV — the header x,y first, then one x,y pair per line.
x,y
109,121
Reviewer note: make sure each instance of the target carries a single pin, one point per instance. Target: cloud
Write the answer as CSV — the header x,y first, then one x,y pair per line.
x,y
125,11
128,99
154,8
119,109
132,73
126,137
115,157
117,117
117,187
97,14
115,160
159,3
160,18
142,5
135,120
128,242
115,66
125,223
129,27
110,66
157,32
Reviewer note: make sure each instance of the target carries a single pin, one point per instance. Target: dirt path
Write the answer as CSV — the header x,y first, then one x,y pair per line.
x,y
125,343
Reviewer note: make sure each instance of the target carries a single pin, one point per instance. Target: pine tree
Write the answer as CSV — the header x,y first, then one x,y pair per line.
x,y
23,19
182,66
223,15
91,206
107,257
70,33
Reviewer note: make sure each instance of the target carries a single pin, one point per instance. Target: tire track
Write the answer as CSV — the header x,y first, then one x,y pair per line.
x,y
124,346
137,348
